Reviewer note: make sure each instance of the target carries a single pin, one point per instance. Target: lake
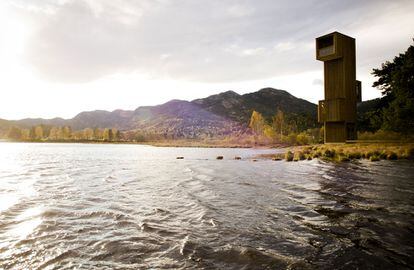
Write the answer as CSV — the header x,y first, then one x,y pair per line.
x,y
112,206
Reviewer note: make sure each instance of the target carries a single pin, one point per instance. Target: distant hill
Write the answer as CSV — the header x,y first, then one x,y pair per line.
x,y
120,119
368,112
29,122
266,101
5,125
370,105
220,114
180,118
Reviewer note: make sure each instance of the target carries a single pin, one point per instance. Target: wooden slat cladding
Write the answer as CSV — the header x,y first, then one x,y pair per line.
x,y
338,110
335,132
358,89
321,111
332,110
334,79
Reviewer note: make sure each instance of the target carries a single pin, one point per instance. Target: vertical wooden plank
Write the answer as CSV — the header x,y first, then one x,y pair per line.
x,y
339,114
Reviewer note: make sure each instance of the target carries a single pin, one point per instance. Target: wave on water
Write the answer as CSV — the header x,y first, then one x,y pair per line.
x,y
73,207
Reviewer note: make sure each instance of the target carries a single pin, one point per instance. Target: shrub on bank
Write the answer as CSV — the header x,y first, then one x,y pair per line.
x,y
374,158
289,156
379,135
349,152
299,155
392,156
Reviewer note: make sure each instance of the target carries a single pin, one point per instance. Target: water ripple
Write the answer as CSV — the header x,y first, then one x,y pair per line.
x,y
65,206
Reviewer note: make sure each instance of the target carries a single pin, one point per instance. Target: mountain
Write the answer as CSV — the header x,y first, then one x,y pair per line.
x,y
5,126
266,101
370,105
119,119
180,118
29,122
369,113
220,114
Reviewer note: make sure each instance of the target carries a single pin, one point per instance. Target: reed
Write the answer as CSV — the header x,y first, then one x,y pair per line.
x,y
289,156
355,151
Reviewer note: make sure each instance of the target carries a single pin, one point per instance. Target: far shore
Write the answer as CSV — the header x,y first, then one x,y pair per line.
x,y
169,143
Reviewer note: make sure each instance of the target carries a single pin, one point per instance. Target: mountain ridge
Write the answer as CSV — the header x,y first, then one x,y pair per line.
x,y
219,114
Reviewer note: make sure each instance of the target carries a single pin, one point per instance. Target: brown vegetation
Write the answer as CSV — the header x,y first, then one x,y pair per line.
x,y
349,152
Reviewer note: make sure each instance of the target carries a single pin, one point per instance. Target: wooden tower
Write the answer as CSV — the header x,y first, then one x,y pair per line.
x,y
338,110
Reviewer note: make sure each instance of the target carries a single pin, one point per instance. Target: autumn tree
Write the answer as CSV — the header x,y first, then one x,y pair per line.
x,y
278,122
54,134
88,134
32,133
269,132
66,132
25,134
77,135
257,123
46,130
108,135
98,134
38,132
116,134
14,133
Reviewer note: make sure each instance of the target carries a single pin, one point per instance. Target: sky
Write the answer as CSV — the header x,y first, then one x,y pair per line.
x,y
61,57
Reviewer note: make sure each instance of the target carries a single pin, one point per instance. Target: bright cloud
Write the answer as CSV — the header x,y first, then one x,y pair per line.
x,y
61,57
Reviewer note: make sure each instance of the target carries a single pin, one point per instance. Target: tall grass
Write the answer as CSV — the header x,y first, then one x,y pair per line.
x,y
349,152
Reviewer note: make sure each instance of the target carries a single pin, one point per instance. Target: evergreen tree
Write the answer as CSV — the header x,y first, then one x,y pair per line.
x,y
396,82
108,135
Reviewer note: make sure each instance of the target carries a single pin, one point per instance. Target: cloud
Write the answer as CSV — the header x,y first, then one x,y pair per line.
x,y
209,41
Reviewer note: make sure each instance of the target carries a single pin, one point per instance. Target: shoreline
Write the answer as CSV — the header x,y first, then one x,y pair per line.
x,y
173,144
347,152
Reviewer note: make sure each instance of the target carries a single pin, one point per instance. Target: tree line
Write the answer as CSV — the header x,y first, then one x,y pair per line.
x,y
64,133
49,133
282,129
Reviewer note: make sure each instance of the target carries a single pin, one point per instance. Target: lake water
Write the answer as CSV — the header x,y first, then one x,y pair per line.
x,y
102,206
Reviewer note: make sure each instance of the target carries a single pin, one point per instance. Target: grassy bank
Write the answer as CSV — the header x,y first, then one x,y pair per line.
x,y
347,152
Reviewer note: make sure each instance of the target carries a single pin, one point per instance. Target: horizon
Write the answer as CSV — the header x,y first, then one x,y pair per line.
x,y
153,105
63,58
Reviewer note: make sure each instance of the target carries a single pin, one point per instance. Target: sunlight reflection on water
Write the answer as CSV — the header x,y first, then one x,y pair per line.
x,y
138,207
6,201
25,227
